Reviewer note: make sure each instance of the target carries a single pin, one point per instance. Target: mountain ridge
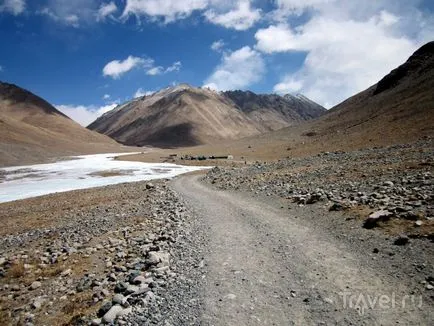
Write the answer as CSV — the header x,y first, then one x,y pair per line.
x,y
195,116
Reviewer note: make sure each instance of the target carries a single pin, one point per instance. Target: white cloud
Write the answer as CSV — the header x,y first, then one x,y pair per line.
x,y
71,13
217,45
85,115
155,71
159,70
238,69
106,97
175,67
117,68
106,10
14,7
141,92
240,18
168,10
349,45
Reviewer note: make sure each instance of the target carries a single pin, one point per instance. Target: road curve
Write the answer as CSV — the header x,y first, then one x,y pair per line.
x,y
265,267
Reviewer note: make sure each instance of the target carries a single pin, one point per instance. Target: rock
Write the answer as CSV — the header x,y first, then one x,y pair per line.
x,y
131,289
418,223
150,186
139,279
125,311
402,240
66,272
388,184
35,285
120,299
96,322
111,315
376,217
121,287
429,287
104,308
38,302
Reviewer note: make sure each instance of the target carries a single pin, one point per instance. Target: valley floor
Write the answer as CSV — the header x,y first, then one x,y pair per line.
x,y
278,243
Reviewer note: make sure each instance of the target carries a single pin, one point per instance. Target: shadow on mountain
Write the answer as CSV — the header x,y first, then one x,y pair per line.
x,y
180,135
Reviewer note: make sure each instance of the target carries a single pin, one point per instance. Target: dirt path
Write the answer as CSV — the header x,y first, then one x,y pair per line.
x,y
265,267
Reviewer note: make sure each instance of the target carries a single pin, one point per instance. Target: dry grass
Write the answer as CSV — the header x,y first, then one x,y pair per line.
x,y
17,270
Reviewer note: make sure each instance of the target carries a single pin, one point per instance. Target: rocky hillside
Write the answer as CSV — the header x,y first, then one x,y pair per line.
x,y
398,109
274,111
188,116
31,130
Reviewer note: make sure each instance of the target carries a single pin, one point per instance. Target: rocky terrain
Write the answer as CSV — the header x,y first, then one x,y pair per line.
x,y
98,256
392,187
163,253
188,116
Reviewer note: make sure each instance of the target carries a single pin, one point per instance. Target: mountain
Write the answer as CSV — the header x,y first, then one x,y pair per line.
x,y
31,130
273,111
187,116
399,109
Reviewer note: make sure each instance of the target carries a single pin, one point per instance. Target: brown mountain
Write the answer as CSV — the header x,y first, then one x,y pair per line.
x,y
31,130
398,109
188,116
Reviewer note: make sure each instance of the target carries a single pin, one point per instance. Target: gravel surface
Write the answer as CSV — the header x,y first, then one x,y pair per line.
x,y
334,239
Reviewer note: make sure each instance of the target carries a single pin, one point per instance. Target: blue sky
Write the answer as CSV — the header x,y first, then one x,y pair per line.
x,y
85,56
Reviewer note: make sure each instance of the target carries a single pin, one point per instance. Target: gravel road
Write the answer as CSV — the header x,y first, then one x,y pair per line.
x,y
265,265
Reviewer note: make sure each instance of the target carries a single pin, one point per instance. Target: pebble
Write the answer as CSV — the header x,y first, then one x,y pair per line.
x,y
35,285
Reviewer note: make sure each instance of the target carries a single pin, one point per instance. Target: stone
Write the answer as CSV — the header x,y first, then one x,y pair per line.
x,y
418,223
150,186
96,322
131,289
35,285
376,217
402,240
429,287
104,309
111,315
139,279
38,302
121,287
120,299
66,272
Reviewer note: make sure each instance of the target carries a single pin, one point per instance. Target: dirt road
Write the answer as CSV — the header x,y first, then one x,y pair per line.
x,y
267,266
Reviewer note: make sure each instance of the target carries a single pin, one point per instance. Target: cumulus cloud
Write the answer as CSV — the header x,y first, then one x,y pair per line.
x,y
141,92
116,68
85,115
106,10
217,45
106,97
348,45
238,69
14,7
240,18
168,10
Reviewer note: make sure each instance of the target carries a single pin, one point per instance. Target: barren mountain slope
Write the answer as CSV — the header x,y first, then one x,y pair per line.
x,y
31,130
398,109
273,111
188,116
